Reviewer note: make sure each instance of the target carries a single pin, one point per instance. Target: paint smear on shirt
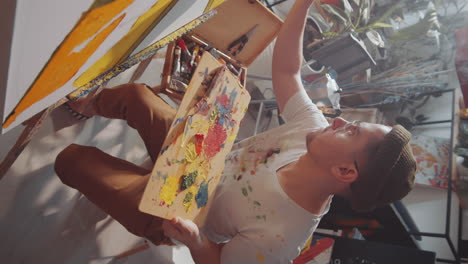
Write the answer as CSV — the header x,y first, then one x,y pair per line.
x,y
260,257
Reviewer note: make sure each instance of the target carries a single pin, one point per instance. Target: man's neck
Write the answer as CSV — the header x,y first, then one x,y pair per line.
x,y
302,183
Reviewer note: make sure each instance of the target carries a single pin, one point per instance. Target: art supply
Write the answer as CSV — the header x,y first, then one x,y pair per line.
x,y
238,45
178,85
196,49
233,69
176,63
185,51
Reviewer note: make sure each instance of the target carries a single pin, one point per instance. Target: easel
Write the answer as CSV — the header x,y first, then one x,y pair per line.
x,y
34,123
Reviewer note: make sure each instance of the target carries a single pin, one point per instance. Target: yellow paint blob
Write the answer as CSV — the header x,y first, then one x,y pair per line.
x,y
232,137
190,152
69,57
169,190
202,126
128,43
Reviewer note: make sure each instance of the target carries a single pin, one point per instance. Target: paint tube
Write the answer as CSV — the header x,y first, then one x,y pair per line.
x,y
185,51
178,85
233,69
195,51
221,60
176,65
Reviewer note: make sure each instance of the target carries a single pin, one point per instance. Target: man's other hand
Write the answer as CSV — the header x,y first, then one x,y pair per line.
x,y
183,230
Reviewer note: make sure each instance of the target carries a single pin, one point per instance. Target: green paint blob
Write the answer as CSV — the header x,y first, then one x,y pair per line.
x,y
188,197
257,203
188,180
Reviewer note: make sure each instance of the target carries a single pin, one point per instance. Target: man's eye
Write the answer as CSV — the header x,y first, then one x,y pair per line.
x,y
351,130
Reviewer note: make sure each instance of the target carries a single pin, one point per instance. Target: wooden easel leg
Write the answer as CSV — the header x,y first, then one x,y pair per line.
x,y
133,251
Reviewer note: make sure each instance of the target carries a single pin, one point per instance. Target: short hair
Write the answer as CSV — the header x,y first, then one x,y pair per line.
x,y
389,175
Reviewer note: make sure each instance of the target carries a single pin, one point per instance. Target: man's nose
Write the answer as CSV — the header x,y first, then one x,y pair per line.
x,y
338,123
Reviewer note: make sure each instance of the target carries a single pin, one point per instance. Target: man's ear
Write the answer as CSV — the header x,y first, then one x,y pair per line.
x,y
345,172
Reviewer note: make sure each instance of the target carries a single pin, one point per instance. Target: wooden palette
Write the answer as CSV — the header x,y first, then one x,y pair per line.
x,y
202,134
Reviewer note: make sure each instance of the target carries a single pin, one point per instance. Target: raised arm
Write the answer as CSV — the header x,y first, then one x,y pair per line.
x,y
287,54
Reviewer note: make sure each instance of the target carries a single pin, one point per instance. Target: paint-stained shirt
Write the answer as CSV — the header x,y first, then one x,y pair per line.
x,y
250,210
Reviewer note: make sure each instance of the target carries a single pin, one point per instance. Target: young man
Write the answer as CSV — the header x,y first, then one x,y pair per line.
x,y
370,164
276,186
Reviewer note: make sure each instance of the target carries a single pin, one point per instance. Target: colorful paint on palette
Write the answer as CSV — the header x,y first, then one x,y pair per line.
x,y
187,202
190,152
215,138
202,195
169,190
201,142
188,180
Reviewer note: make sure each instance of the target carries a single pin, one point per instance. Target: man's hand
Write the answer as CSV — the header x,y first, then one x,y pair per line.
x,y
202,250
184,231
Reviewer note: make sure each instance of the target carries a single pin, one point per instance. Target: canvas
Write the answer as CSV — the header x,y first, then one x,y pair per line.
x,y
59,46
432,157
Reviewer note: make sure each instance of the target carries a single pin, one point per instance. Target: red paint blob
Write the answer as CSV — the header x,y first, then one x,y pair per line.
x,y
199,144
223,100
214,140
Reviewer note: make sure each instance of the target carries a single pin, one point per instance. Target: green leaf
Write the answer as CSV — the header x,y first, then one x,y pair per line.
x,y
330,34
373,26
381,25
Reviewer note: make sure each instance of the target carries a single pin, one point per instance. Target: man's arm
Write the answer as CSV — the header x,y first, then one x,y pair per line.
x,y
287,54
187,232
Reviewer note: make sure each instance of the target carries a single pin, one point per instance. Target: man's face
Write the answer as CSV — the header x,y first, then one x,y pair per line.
x,y
344,141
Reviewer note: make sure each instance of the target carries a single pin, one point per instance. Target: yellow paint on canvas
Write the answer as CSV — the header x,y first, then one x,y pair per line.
x,y
69,57
212,4
125,46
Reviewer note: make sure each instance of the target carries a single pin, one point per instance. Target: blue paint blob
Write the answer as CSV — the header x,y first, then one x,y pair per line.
x,y
202,195
164,149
